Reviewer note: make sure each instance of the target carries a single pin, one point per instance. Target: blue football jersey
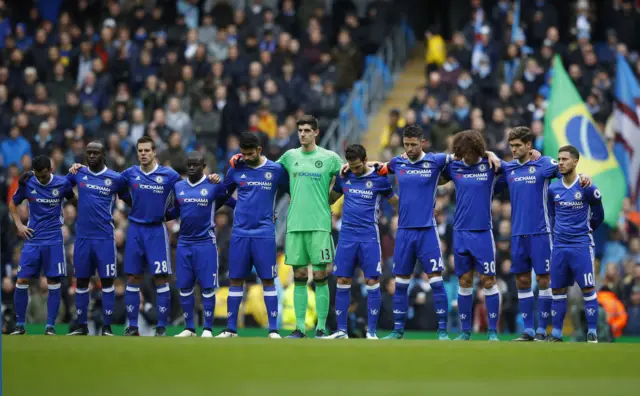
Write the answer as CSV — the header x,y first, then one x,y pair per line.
x,y
577,211
475,186
151,193
97,193
45,208
362,196
417,186
528,187
257,188
196,206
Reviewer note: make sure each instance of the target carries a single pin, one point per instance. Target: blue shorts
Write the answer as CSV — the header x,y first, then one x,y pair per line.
x,y
421,244
474,250
531,252
35,259
365,254
572,264
92,254
247,252
197,262
147,248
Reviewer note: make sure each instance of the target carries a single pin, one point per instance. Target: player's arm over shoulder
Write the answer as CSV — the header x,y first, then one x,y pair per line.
x,y
68,189
336,191
595,203
284,158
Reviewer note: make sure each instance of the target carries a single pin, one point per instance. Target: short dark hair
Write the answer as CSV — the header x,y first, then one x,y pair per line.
x,y
355,152
571,150
468,142
308,119
249,141
41,162
412,131
146,139
104,149
521,132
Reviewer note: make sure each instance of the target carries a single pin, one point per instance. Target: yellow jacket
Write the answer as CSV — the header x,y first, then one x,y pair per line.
x,y
436,51
386,133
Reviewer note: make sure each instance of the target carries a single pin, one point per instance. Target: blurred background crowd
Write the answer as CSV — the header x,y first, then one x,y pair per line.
x,y
194,74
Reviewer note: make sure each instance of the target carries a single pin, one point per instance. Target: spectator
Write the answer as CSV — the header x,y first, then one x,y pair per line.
x,y
14,148
207,124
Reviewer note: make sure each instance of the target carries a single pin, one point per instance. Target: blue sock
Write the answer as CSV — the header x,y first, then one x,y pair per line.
x,y
343,298
545,298
82,305
440,302
164,304
132,302
373,304
492,302
233,306
525,298
53,304
465,306
591,311
108,303
558,310
20,302
209,306
271,303
400,303
187,302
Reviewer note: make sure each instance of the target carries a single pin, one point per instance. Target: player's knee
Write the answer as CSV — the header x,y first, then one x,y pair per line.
x,y
466,280
523,281
23,281
82,283
543,281
134,279
55,280
587,290
236,282
160,280
345,281
558,292
320,281
436,282
186,292
107,283
300,281
301,272
318,275
208,292
371,281
488,281
267,282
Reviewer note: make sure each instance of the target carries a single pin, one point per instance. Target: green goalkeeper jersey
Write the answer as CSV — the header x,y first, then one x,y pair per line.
x,y
310,176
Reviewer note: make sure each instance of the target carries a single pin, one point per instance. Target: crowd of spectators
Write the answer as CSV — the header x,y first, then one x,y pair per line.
x,y
191,74
483,79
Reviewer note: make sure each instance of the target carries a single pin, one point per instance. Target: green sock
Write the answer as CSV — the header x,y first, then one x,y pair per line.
x,y
322,304
300,297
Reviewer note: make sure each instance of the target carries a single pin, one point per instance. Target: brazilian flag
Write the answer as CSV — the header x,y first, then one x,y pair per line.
x,y
568,121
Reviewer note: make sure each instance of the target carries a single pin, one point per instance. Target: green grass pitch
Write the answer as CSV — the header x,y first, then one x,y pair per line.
x,y
265,367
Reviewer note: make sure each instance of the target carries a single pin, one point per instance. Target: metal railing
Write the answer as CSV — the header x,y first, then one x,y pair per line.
x,y
365,99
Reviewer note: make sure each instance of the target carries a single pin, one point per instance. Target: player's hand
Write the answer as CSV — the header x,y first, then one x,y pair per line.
x,y
585,181
24,231
381,169
235,160
214,178
494,161
535,154
404,155
74,168
344,169
24,178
